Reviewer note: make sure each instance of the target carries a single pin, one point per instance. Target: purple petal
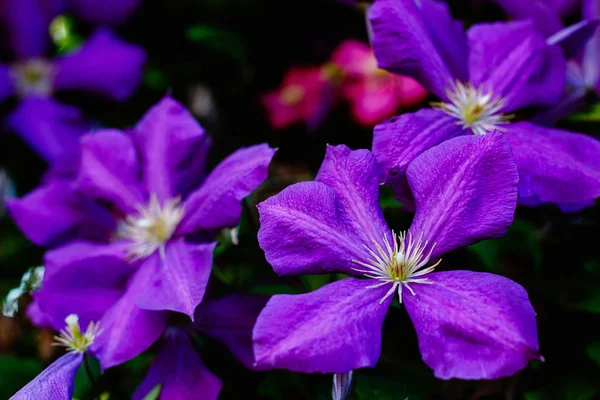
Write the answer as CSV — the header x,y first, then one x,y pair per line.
x,y
109,170
555,166
52,129
545,17
569,104
177,282
404,45
55,212
82,278
180,372
230,320
7,87
573,38
218,202
127,329
302,232
26,23
397,141
104,65
54,383
591,9
473,325
173,148
37,316
465,190
513,60
354,177
107,11
334,329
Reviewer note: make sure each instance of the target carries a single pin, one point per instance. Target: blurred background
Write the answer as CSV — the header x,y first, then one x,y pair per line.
x,y
222,58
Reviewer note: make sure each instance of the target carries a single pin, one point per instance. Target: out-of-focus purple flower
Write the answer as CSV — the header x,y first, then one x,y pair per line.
x,y
480,77
373,93
106,11
470,325
103,65
130,221
178,367
546,14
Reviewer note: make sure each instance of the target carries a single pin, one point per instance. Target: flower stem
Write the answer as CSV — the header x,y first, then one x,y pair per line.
x,y
88,370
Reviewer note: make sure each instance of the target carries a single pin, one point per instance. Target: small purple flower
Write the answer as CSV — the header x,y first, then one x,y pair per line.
x,y
480,76
104,65
470,325
134,225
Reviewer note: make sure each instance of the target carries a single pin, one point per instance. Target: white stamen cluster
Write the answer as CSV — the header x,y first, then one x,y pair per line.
x,y
73,339
474,109
151,228
33,77
399,264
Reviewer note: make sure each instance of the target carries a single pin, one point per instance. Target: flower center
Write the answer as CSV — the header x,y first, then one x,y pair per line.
x,y
399,264
292,95
33,77
151,228
474,109
73,339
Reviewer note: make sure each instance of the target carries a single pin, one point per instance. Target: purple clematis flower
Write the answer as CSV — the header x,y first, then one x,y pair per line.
x,y
104,65
480,77
134,225
470,325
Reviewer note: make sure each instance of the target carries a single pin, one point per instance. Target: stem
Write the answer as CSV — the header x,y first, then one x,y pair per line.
x,y
88,370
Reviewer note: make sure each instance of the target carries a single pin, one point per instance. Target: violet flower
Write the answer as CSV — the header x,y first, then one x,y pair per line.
x,y
133,225
104,65
480,77
470,325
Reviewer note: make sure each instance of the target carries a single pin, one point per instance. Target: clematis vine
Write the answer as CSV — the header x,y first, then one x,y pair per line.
x,y
132,232
481,78
470,325
103,65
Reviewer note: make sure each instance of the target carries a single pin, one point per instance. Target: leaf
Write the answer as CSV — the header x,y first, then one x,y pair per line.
x,y
379,387
593,351
221,40
15,373
154,393
314,282
590,114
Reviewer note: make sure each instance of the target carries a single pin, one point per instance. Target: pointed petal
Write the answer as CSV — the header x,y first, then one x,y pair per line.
x,y
7,88
127,329
104,65
52,129
106,12
399,140
407,43
82,278
180,372
555,166
354,177
230,320
173,149
177,282
513,61
54,383
465,190
573,38
55,212
334,329
218,202
109,170
473,325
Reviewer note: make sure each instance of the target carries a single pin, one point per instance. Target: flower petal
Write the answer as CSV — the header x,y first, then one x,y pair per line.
x,y
82,278
104,65
176,282
397,141
55,212
545,17
173,149
218,202
513,61
465,190
128,330
555,166
180,372
407,43
7,87
230,320
302,232
52,129
108,11
54,383
473,325
109,170
354,177
334,329
573,38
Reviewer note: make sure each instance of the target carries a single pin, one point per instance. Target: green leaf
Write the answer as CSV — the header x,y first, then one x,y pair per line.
x,y
379,387
154,393
221,40
314,282
15,373
590,114
593,351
